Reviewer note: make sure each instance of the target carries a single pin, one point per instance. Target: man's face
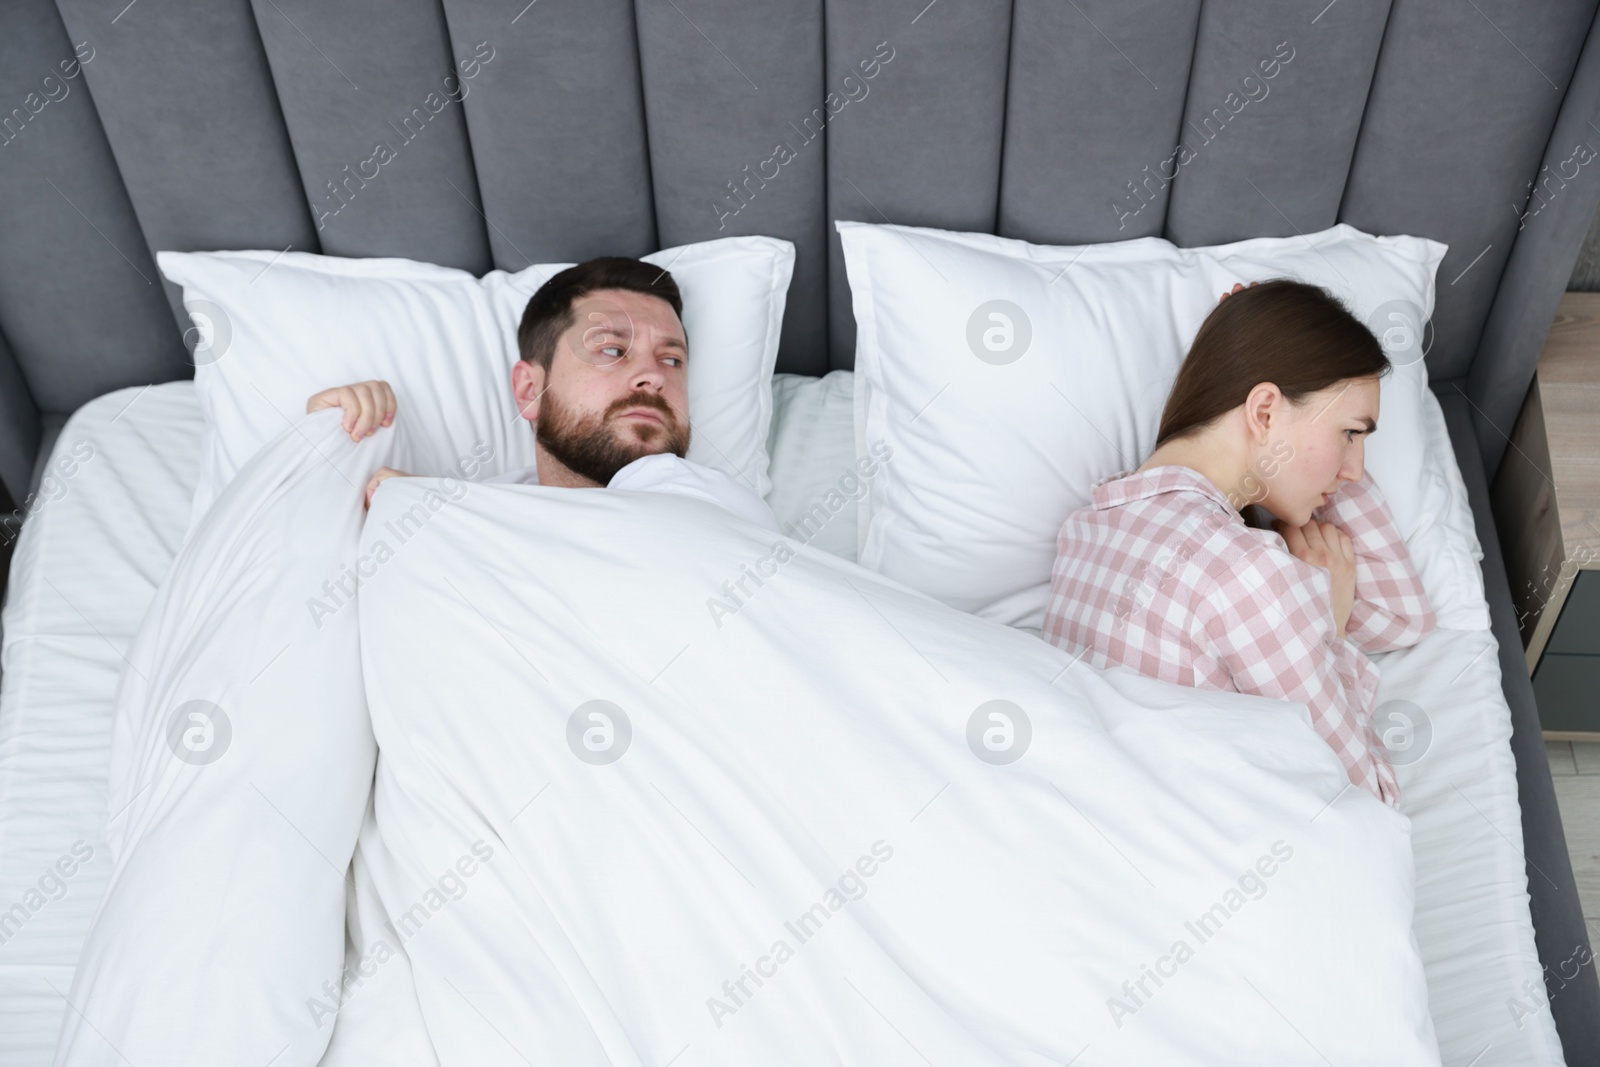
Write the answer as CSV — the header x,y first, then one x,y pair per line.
x,y
616,389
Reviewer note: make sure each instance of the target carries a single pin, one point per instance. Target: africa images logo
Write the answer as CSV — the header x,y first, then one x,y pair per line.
x,y
999,732
199,732
599,732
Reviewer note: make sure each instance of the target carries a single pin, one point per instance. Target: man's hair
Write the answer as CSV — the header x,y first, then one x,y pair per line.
x,y
549,311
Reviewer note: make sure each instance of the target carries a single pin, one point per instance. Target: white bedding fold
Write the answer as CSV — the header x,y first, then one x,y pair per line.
x,y
374,1013
682,788
241,765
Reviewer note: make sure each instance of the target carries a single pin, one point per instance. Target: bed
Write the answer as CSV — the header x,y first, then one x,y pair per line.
x,y
126,514
1392,106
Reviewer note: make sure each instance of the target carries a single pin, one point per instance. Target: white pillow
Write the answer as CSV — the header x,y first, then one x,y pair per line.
x,y
1002,419
273,328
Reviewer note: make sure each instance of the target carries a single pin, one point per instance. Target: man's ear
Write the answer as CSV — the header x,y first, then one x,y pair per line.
x,y
527,386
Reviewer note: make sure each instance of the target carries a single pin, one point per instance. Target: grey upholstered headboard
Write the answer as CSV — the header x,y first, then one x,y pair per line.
x,y
496,133
515,131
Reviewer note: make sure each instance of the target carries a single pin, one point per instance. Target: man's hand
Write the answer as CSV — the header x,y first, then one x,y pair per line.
x,y
1237,287
367,406
378,479
1323,544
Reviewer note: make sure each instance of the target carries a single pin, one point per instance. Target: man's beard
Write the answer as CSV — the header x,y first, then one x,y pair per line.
x,y
593,446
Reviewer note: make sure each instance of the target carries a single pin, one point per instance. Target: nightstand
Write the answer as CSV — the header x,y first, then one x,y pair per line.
x,y
1546,502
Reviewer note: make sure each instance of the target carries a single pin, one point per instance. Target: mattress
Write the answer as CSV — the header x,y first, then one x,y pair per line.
x,y
90,559
86,567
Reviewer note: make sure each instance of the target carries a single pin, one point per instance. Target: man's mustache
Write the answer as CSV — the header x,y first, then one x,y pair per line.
x,y
643,400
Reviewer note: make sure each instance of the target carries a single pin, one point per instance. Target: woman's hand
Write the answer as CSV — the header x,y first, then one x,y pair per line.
x,y
1323,544
1237,287
367,406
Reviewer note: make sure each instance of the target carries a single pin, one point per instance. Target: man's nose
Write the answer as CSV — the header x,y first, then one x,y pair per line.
x,y
646,373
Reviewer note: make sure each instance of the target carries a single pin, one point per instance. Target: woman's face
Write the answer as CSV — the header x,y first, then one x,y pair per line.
x,y
1317,446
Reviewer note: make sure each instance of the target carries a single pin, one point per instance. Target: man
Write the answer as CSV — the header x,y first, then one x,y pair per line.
x,y
603,378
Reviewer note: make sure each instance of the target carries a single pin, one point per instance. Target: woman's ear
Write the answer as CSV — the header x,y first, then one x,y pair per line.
x,y
527,386
1263,405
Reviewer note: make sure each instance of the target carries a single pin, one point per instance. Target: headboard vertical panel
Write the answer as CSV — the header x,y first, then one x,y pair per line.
x,y
1548,239
1095,90
1460,112
924,148
80,303
372,99
192,116
1270,126
556,123
727,84
20,429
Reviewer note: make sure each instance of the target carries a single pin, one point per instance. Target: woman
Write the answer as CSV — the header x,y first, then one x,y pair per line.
x,y
1161,573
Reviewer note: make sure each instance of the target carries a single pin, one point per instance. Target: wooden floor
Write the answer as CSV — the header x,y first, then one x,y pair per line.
x,y
1576,766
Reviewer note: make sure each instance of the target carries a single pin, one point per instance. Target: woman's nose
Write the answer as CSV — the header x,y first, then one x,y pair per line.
x,y
1354,462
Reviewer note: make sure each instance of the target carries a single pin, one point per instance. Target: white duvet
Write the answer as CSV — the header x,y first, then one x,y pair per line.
x,y
656,785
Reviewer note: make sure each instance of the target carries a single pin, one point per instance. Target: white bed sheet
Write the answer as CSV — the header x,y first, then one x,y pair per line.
x,y
86,567
90,560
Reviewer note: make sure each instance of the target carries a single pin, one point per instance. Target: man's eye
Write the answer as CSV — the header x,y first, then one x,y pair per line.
x,y
676,361
614,351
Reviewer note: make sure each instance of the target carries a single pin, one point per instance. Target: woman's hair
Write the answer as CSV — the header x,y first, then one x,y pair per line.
x,y
1294,335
